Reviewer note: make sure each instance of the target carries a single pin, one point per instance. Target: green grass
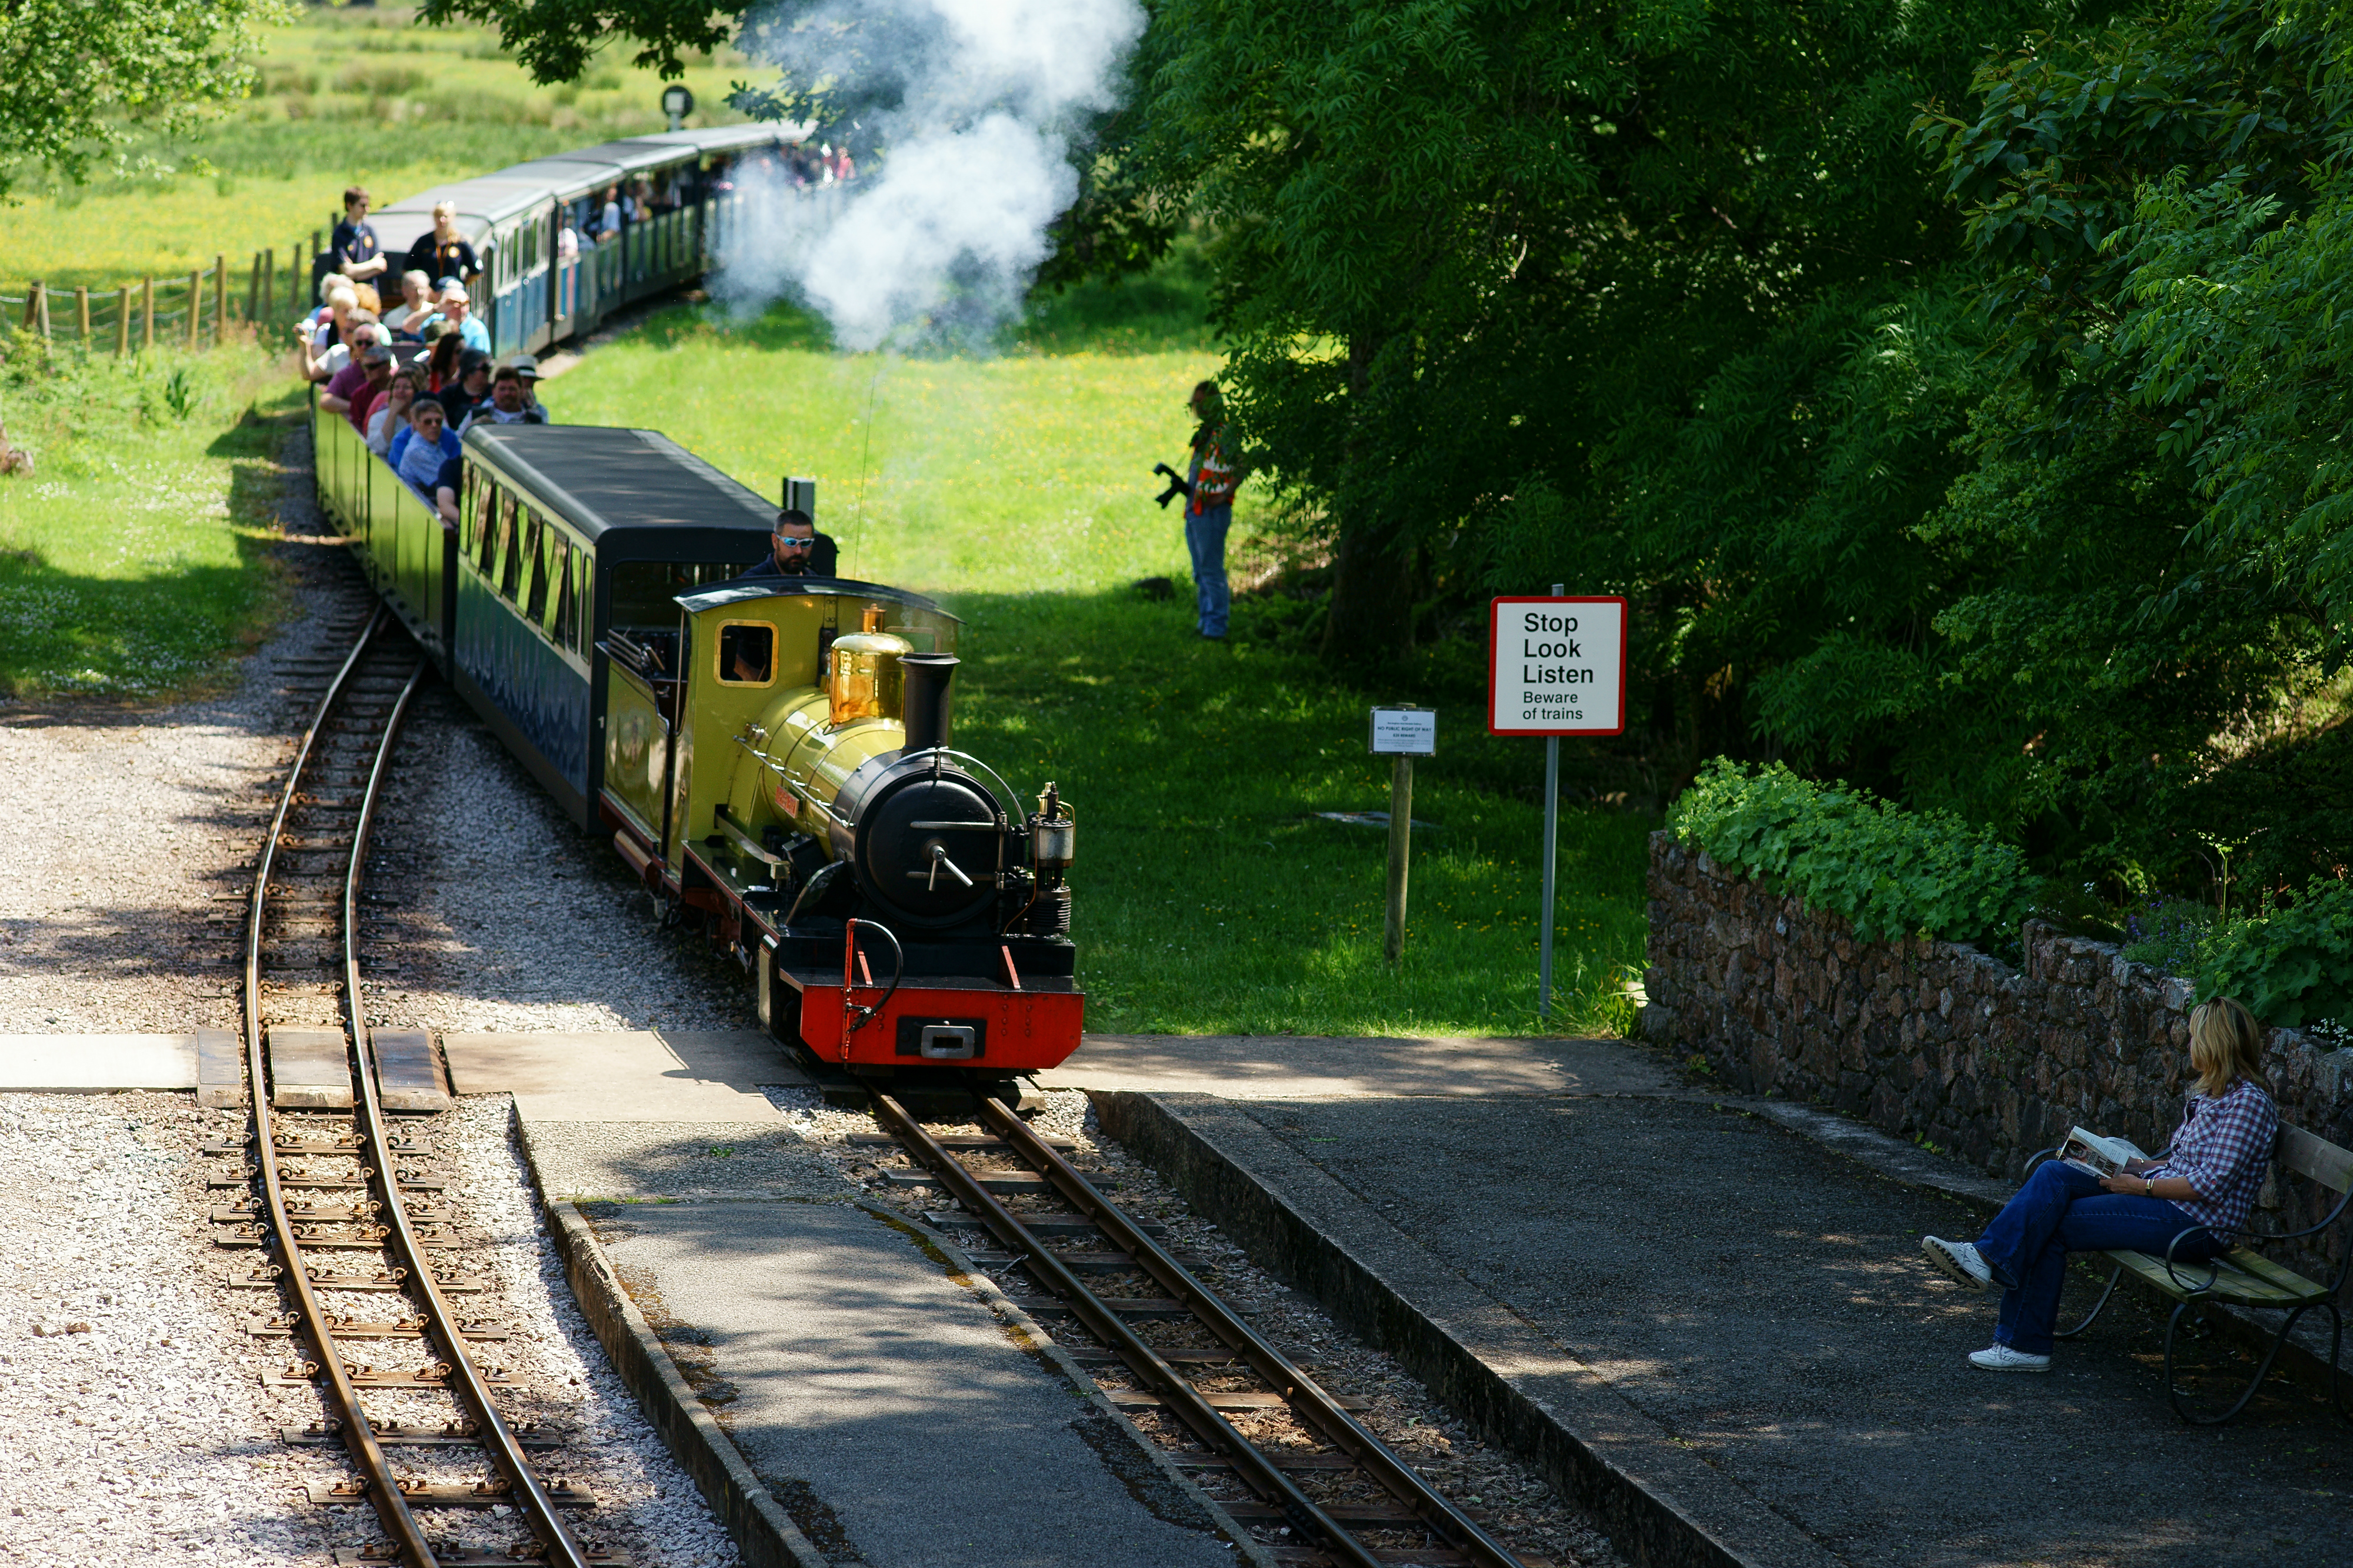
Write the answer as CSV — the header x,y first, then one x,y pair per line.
x,y
1210,899
1032,470
348,95
132,560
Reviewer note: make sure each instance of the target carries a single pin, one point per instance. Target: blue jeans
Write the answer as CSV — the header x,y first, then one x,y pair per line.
x,y
2061,1210
1205,536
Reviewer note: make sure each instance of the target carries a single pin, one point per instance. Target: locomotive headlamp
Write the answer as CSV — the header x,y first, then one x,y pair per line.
x,y
677,103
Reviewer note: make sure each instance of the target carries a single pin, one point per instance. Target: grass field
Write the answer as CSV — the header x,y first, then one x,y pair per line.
x,y
131,561
352,95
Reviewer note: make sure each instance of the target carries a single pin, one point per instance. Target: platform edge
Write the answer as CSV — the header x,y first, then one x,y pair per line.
x,y
761,1530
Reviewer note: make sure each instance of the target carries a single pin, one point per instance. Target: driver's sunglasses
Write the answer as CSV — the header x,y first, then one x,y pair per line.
x,y
785,542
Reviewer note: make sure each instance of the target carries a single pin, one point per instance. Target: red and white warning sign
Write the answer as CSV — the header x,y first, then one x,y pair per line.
x,y
1555,666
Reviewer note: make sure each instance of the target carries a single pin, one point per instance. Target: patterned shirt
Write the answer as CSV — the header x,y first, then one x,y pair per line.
x,y
2224,1151
1213,477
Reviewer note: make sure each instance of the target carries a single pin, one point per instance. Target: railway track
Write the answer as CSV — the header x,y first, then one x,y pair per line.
x,y
1318,1487
345,1214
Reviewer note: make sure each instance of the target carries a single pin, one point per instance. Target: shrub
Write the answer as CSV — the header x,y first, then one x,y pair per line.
x,y
1889,871
2169,934
2291,966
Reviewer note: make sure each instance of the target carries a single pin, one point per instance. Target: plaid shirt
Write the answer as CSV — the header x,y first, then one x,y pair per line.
x,y
2223,1152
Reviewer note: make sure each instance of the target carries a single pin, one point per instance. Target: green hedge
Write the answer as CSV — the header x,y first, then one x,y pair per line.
x,y
2290,966
1889,871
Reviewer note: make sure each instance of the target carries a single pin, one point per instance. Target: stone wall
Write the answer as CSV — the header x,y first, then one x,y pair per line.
x,y
1937,1041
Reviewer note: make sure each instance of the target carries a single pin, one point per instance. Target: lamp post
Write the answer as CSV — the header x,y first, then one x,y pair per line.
x,y
677,103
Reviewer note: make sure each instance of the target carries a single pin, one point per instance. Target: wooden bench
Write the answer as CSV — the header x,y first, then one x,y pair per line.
x,y
2245,1277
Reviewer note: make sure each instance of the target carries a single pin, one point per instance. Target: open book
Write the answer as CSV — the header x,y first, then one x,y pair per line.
x,y
2087,1151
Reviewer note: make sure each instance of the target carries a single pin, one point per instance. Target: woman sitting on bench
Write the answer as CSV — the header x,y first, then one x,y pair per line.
x,y
2204,1185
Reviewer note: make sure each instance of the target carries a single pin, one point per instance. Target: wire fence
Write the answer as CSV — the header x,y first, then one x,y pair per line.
x,y
200,310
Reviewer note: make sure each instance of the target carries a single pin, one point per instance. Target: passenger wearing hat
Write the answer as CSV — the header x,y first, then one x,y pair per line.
x,y
510,403
527,367
470,391
457,310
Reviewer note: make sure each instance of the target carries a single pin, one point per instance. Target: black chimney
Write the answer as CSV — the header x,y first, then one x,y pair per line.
x,y
926,700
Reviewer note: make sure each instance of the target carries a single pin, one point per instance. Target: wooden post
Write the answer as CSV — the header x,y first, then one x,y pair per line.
x,y
147,313
253,292
32,304
269,285
1401,854
220,299
123,323
81,312
196,306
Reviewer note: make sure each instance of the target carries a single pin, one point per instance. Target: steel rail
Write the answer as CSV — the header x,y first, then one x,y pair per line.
x,y
465,1379
382,1487
1301,1392
1177,1391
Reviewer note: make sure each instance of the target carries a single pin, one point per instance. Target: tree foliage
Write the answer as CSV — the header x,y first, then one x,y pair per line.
x,y
78,76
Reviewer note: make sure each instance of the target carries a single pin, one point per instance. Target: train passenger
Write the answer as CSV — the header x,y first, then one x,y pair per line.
x,y
510,404
418,452
418,301
473,387
444,252
443,357
447,484
527,367
606,228
346,373
375,364
324,327
795,550
354,247
456,308
392,410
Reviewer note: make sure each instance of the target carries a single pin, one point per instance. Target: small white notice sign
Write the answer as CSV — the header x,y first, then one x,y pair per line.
x,y
1555,666
1405,732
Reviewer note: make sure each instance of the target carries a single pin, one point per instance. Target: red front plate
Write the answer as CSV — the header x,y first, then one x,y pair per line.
x,y
1024,1030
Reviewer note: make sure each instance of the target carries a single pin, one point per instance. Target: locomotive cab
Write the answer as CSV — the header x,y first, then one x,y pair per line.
x,y
903,912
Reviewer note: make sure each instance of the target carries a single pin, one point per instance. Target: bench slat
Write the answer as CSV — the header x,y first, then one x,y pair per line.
x,y
2317,1158
2244,1276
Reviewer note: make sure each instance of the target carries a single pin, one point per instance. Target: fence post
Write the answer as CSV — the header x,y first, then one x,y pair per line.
x,y
32,304
147,314
196,306
123,323
269,285
81,312
253,292
220,299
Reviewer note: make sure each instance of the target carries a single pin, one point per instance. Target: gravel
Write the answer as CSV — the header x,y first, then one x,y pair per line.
x,y
1518,1506
491,911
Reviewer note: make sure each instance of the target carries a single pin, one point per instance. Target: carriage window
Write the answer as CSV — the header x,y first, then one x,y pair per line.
x,y
469,504
583,601
641,591
748,654
535,554
559,597
510,528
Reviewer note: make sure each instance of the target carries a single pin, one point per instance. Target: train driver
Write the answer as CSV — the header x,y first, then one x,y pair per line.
x,y
795,550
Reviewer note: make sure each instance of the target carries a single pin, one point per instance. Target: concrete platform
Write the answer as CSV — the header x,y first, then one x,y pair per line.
x,y
75,1064
882,1406
1306,1067
1711,1322
660,1075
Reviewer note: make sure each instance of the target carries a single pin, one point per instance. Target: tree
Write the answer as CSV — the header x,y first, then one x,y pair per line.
x,y
77,75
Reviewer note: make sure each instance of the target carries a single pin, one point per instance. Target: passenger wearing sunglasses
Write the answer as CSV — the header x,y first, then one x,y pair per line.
x,y
798,549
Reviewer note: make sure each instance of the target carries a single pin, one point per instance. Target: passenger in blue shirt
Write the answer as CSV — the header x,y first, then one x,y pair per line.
x,y
355,252
418,452
457,310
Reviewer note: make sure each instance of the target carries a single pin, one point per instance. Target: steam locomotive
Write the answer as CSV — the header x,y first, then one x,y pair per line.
x,y
771,757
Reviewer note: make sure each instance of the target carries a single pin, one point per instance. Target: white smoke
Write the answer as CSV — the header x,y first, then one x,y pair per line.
x,y
942,232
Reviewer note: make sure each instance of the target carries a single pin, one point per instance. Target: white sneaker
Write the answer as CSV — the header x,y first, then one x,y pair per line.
x,y
1959,1260
2001,1358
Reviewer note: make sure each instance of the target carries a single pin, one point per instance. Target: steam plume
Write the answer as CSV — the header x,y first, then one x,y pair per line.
x,y
971,105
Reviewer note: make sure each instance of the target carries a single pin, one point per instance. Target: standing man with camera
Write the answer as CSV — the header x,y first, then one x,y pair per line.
x,y
1211,477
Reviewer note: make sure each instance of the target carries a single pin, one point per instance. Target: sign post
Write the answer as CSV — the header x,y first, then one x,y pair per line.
x,y
1555,666
1402,734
